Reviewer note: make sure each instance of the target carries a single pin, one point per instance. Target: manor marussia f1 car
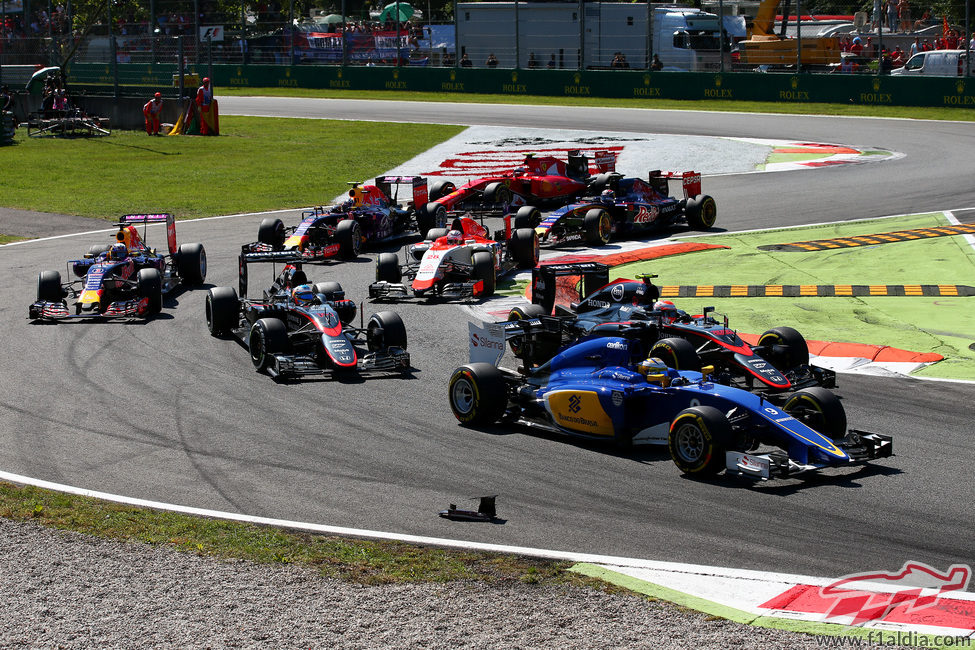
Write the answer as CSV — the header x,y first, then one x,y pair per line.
x,y
545,181
371,214
778,362
604,388
126,279
628,206
460,263
297,328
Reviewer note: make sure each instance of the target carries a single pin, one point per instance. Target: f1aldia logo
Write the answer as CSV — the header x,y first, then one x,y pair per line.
x,y
575,403
866,596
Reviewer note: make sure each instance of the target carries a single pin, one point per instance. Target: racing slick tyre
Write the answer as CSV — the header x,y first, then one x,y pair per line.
x,y
497,193
441,189
191,263
268,336
349,235
528,216
483,263
597,227
517,343
387,268
676,353
222,310
524,248
97,249
477,393
699,437
604,181
432,215
436,233
701,212
149,283
786,348
820,410
49,287
385,329
331,290
271,232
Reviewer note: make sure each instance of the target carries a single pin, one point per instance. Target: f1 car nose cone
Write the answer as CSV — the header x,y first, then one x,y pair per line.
x,y
89,306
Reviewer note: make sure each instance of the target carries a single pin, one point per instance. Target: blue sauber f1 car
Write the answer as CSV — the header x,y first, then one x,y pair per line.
x,y
126,279
605,388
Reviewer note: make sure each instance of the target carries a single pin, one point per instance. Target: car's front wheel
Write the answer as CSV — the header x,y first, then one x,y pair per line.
x,y
268,336
477,393
698,439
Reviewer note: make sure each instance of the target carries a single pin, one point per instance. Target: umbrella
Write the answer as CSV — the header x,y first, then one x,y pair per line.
x,y
390,10
39,77
330,19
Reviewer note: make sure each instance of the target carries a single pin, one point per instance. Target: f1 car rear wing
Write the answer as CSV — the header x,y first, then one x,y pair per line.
x,y
291,258
545,284
419,184
691,182
145,220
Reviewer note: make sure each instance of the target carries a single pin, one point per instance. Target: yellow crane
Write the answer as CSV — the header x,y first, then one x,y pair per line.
x,y
764,47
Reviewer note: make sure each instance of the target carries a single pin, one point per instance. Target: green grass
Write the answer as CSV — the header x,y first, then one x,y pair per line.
x,y
909,112
6,239
258,164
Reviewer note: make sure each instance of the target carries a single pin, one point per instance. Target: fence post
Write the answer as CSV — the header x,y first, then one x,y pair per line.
x,y
179,66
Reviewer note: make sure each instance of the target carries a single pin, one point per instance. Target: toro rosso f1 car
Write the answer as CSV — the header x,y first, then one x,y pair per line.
x,y
371,214
543,181
298,328
463,262
126,279
778,362
604,388
628,206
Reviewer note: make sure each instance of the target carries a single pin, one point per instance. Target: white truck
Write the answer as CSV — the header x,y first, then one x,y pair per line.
x,y
686,39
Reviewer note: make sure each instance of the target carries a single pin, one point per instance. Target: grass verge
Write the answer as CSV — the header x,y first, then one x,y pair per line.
x,y
6,239
358,561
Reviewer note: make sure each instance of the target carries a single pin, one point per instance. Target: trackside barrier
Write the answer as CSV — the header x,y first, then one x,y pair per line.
x,y
796,88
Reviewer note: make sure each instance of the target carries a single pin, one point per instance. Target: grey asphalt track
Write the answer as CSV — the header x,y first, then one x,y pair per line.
x,y
162,411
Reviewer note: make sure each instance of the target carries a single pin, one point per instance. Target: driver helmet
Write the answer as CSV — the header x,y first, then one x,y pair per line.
x,y
655,370
455,238
608,197
303,294
118,252
667,308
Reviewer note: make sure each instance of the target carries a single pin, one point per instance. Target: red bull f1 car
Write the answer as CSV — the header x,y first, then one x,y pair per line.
x,y
298,328
371,214
126,279
627,207
605,388
463,262
543,181
779,361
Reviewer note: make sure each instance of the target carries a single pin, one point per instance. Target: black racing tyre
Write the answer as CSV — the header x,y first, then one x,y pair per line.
x,y
677,353
523,313
388,268
268,336
818,409
597,227
436,233
191,264
528,216
328,289
349,236
97,249
786,348
604,181
149,283
432,215
385,329
271,232
49,287
483,263
477,393
440,189
222,310
497,193
699,437
701,212
524,248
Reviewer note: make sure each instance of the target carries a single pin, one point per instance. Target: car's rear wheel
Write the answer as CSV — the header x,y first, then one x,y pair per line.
x,y
441,189
191,263
349,235
784,347
222,310
483,263
597,227
384,330
477,393
818,409
677,353
524,248
528,216
698,440
271,232
268,336
526,312
49,288
388,269
701,212
149,284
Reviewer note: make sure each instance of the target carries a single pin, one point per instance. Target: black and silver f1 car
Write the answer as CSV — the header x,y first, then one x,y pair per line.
x,y
126,279
298,328
778,362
